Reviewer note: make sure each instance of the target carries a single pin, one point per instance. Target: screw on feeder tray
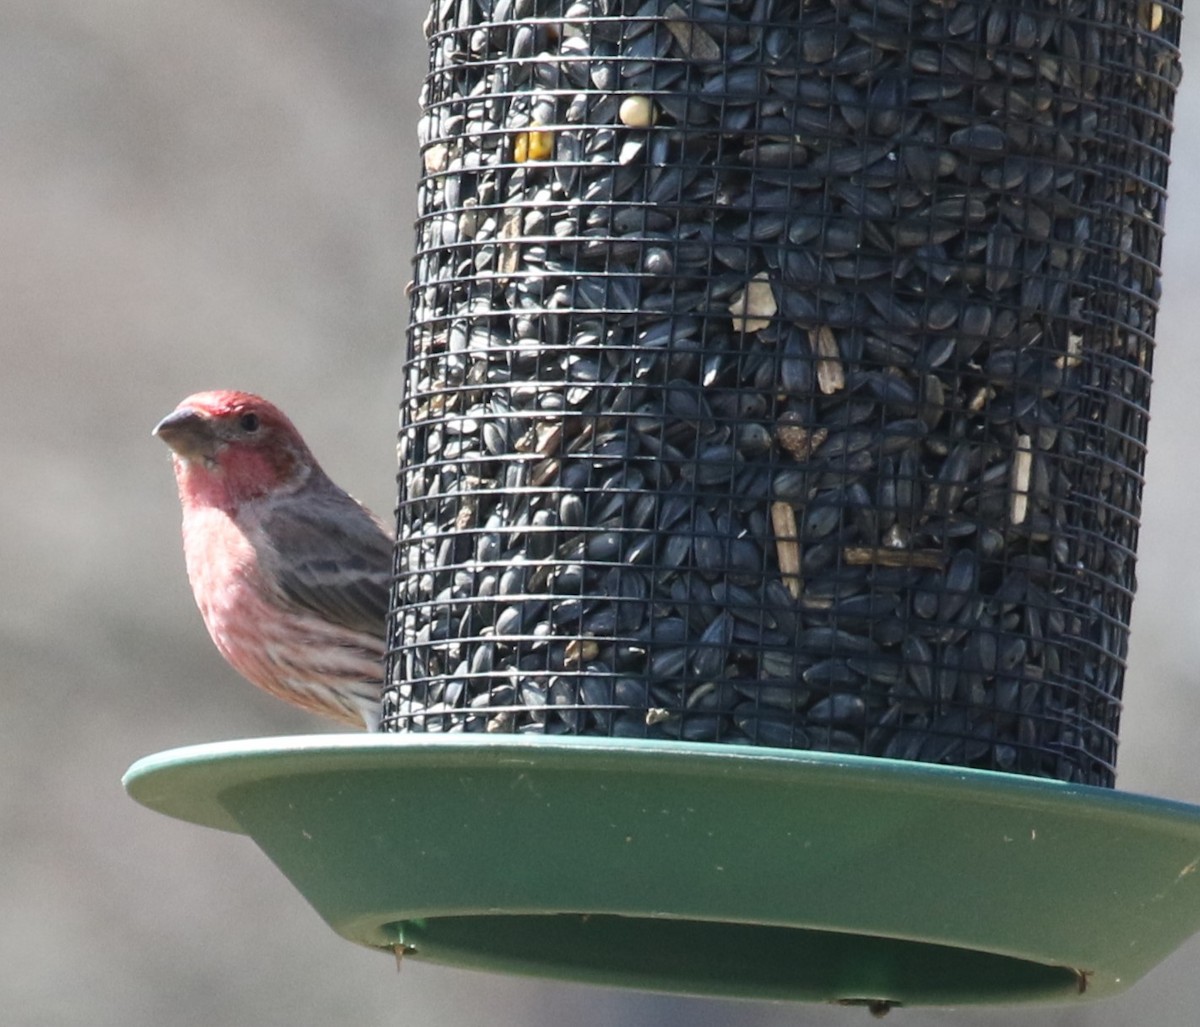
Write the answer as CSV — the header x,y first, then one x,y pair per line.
x,y
400,950
878,1008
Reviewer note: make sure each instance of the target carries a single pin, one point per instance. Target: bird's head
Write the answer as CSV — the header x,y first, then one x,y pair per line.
x,y
230,447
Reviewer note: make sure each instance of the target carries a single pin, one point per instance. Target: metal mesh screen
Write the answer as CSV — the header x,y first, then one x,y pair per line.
x,y
778,373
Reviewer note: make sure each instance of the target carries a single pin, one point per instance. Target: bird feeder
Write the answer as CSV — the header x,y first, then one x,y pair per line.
x,y
771,455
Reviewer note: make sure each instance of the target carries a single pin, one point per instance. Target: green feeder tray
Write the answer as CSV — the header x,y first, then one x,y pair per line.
x,y
710,870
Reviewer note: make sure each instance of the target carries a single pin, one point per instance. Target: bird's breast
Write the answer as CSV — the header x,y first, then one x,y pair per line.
x,y
223,568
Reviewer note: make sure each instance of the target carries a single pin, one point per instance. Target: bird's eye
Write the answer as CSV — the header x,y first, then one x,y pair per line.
x,y
248,422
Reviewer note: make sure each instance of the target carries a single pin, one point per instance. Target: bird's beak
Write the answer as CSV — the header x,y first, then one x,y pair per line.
x,y
188,432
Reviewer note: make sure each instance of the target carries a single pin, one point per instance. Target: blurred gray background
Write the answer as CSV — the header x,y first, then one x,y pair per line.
x,y
198,195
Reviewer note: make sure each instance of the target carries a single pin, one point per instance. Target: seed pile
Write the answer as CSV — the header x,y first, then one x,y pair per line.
x,y
778,373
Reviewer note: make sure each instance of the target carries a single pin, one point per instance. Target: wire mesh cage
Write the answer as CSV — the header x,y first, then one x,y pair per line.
x,y
778,373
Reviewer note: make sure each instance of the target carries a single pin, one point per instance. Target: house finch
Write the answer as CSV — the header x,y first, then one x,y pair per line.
x,y
290,573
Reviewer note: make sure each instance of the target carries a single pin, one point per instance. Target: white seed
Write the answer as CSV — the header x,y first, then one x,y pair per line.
x,y
435,158
831,376
754,306
1021,468
787,548
637,112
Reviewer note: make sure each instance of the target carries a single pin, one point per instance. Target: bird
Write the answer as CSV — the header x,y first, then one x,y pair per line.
x,y
291,573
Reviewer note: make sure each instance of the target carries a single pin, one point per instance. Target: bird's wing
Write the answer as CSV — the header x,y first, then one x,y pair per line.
x,y
333,558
